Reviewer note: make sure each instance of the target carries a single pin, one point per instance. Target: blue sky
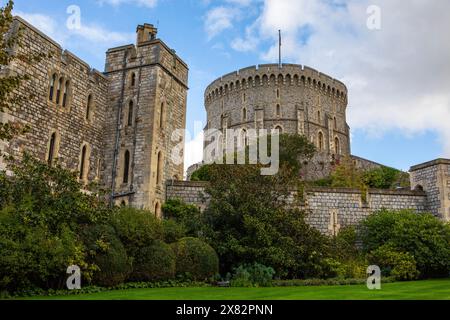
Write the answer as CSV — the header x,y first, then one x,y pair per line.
x,y
396,118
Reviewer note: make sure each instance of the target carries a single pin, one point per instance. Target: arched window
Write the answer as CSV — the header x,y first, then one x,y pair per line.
x,y
58,90
335,123
51,149
278,93
83,163
320,141
319,118
52,87
244,114
133,80
123,203
161,115
126,166
278,110
130,114
337,146
159,168
65,94
279,129
89,107
244,98
244,138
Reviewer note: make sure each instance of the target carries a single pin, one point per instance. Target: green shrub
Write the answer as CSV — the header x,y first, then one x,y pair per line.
x,y
201,174
173,231
255,275
399,265
136,228
187,215
422,236
154,263
195,258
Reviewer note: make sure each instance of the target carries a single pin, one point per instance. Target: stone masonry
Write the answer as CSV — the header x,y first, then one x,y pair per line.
x,y
113,127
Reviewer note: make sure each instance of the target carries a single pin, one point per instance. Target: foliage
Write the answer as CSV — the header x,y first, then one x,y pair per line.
x,y
201,174
195,259
136,228
186,215
154,263
400,265
255,275
173,231
423,236
386,178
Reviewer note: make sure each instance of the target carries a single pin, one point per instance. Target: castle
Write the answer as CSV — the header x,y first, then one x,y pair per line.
x,y
115,127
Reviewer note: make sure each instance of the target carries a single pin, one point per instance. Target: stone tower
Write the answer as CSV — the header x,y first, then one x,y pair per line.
x,y
434,178
147,101
294,99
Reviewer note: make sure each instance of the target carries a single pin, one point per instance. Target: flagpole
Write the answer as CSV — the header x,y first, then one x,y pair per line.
x,y
279,49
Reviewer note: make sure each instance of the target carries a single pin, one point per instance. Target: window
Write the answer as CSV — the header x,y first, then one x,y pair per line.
x,y
130,114
244,114
159,168
279,129
161,115
244,97
337,146
278,110
52,87
133,80
320,141
58,91
65,94
319,117
335,123
89,107
126,166
51,149
83,163
278,93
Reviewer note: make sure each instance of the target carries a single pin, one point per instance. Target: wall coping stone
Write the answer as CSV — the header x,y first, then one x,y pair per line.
x,y
430,164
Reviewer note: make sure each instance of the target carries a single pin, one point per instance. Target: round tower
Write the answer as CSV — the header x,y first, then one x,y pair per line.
x,y
294,99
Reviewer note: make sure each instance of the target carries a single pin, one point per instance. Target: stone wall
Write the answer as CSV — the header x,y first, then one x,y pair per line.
x,y
328,209
45,116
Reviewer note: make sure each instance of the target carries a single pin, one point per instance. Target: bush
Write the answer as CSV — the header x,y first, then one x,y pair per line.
x,y
201,174
187,215
108,255
399,265
195,259
173,231
422,236
255,275
154,263
136,228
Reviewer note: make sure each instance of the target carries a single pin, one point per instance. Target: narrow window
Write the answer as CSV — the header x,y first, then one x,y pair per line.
x,y
159,168
66,91
133,79
130,114
278,93
335,123
244,114
82,163
126,166
52,87
161,115
58,91
279,129
245,97
337,146
320,141
278,111
318,117
51,149
89,107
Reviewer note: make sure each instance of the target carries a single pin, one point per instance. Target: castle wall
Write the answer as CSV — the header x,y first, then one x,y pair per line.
x,y
44,116
328,209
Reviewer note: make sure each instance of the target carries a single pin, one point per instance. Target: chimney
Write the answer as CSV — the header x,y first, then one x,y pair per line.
x,y
146,32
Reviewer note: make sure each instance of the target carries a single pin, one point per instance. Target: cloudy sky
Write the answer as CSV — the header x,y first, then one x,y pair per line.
x,y
397,71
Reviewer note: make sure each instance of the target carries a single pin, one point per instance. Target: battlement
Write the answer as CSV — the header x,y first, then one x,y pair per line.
x,y
272,74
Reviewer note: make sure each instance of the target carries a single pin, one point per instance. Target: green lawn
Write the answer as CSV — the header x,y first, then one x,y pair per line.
x,y
433,289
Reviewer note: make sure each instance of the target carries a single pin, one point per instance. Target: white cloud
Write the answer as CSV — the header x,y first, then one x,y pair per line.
x,y
93,34
219,19
142,3
398,77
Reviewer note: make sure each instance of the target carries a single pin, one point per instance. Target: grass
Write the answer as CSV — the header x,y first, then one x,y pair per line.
x,y
417,290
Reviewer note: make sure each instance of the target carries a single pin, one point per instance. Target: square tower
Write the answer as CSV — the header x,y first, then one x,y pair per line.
x,y
434,178
148,94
